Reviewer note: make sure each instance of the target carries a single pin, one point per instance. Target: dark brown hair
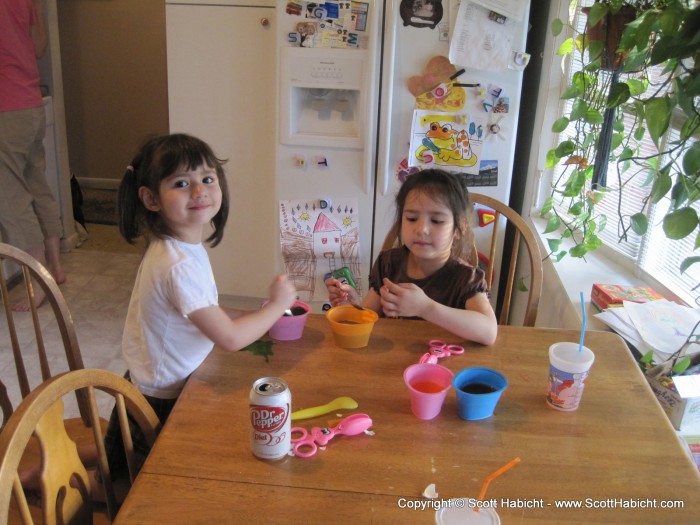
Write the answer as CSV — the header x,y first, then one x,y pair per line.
x,y
157,159
445,187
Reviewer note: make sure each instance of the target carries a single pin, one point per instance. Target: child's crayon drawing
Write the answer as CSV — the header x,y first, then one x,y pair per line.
x,y
450,140
316,241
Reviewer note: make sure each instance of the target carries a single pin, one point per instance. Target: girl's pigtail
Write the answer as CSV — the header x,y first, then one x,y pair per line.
x,y
127,203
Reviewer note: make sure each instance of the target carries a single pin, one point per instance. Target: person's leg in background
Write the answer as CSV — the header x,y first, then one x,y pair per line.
x,y
45,205
19,225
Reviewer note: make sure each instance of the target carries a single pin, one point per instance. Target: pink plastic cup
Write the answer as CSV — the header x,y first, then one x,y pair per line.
x,y
428,385
290,327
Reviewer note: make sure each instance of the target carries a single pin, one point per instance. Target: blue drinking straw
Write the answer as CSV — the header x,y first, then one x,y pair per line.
x,y
583,323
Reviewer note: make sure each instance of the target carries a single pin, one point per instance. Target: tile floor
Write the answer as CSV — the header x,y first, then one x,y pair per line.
x,y
100,275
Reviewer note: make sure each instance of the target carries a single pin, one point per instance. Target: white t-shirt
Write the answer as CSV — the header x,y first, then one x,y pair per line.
x,y
161,346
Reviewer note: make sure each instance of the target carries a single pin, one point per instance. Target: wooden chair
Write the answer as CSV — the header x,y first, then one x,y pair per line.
x,y
66,486
521,232
34,343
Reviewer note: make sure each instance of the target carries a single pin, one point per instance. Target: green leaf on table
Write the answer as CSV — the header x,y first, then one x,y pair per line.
x,y
261,348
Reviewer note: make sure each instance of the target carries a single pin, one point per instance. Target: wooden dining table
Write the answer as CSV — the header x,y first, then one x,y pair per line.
x,y
616,459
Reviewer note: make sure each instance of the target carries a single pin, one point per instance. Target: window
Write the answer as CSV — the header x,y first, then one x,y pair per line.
x,y
653,254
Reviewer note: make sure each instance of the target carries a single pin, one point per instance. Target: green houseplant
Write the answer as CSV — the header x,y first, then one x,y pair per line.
x,y
629,86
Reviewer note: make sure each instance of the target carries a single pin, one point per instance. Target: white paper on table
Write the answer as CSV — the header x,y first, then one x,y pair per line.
x,y
627,331
510,8
479,42
687,386
662,324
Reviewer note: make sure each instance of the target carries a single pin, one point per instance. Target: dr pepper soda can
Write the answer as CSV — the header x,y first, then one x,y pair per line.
x,y
270,418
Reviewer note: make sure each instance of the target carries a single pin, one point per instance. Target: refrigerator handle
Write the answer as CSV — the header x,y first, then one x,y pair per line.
x,y
390,24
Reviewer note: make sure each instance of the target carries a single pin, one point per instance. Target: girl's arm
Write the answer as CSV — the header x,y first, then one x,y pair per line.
x,y
232,334
476,323
373,301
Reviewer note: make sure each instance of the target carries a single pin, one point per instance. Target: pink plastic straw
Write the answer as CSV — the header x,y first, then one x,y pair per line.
x,y
494,475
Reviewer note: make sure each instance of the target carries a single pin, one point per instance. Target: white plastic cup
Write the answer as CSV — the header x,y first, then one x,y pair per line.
x,y
568,373
461,512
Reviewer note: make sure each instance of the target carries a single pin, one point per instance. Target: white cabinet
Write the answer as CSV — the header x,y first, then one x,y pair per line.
x,y
221,88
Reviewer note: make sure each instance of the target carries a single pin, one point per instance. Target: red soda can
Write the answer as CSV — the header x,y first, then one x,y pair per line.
x,y
270,418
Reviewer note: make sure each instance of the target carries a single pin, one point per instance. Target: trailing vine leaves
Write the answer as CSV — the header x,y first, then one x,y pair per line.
x,y
617,102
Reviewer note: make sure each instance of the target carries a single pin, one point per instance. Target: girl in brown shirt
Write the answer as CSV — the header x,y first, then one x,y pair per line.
x,y
425,278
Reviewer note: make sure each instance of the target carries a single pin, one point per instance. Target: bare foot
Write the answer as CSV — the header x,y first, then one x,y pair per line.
x,y
24,306
52,258
58,275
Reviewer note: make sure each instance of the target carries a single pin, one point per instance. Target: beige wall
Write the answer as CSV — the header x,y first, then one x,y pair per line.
x,y
115,81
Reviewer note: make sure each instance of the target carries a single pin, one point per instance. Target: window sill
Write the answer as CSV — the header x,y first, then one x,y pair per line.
x,y
560,303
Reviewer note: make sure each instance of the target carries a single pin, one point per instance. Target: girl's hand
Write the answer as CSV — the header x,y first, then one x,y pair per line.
x,y
339,293
282,292
403,299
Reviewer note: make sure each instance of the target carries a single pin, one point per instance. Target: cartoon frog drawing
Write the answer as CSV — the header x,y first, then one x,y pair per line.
x,y
446,146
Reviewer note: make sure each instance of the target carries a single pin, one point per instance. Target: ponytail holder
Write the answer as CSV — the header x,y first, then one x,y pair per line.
x,y
130,168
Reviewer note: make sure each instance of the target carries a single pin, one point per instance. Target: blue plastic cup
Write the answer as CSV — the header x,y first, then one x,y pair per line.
x,y
478,391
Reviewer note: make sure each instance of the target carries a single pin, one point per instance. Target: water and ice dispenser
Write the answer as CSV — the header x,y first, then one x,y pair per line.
x,y
322,101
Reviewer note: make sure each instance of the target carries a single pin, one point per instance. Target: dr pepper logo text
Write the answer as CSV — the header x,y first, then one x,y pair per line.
x,y
268,419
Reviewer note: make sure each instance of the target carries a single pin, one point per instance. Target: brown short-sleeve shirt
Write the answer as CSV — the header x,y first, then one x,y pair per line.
x,y
452,285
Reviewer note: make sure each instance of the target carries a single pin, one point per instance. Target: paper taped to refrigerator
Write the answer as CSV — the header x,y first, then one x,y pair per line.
x,y
452,141
319,237
479,41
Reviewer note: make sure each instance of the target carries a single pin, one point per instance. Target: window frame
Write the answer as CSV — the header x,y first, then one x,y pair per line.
x,y
559,72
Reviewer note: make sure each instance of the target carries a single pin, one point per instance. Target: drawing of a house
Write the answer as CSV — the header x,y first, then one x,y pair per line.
x,y
317,241
326,238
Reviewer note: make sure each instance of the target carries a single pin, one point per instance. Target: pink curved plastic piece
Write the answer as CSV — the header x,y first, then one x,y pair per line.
x,y
438,349
306,445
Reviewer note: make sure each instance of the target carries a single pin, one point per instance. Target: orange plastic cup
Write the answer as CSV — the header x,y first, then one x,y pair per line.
x,y
351,327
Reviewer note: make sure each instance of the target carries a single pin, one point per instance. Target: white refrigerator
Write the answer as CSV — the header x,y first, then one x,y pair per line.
x,y
347,78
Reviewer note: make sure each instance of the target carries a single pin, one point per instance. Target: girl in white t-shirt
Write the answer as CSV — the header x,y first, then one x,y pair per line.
x,y
173,188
